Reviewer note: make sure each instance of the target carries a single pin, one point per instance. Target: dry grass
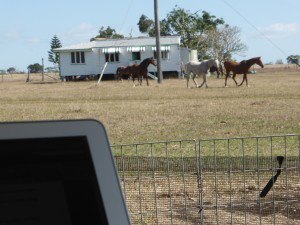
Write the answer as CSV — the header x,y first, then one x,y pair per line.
x,y
168,111
171,112
174,198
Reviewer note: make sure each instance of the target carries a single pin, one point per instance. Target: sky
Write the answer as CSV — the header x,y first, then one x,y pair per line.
x,y
269,28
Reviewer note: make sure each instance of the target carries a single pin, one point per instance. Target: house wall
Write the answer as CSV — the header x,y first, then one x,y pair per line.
x,y
90,67
95,60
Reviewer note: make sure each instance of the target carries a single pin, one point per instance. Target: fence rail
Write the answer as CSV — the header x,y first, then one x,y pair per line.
x,y
215,181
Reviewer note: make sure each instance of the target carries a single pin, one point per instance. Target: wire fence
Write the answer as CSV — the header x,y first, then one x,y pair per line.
x,y
217,181
32,77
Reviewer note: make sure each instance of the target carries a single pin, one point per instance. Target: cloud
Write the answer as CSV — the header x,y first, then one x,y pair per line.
x,y
34,40
81,33
280,30
12,34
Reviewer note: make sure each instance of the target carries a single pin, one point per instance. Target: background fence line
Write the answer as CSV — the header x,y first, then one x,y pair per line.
x,y
214,181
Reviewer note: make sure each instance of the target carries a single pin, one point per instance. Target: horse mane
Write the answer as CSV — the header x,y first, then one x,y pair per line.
x,y
248,63
145,62
252,59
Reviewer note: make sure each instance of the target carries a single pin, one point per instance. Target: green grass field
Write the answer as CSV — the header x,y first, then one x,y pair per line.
x,y
162,112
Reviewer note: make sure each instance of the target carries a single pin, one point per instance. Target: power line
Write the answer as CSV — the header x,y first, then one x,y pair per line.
x,y
253,26
115,42
127,12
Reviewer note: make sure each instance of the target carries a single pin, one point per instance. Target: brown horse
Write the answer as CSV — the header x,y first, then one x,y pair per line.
x,y
241,68
124,70
141,70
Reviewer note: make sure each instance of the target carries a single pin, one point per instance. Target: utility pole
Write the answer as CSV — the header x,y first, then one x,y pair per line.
x,y
158,52
42,69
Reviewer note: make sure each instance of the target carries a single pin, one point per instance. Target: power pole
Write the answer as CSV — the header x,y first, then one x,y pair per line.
x,y
158,52
42,69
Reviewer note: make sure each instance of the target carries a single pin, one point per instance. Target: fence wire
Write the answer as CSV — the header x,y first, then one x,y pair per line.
x,y
217,181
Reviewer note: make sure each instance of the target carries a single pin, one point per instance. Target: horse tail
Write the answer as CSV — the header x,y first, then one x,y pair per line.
x,y
221,69
118,74
183,70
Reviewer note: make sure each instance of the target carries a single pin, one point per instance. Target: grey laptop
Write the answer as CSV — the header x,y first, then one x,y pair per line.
x,y
58,173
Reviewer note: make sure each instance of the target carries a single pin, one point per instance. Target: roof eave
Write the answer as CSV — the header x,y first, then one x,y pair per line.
x,y
72,49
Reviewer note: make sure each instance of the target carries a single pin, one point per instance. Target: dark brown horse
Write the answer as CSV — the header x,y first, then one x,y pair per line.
x,y
218,70
124,70
140,71
241,68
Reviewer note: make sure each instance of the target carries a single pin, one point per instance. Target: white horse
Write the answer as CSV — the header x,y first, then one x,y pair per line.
x,y
197,68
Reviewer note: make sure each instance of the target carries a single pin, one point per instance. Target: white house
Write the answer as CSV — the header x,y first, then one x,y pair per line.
x,y
88,59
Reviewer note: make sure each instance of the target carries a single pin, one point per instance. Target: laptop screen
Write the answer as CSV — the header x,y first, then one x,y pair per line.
x,y
49,181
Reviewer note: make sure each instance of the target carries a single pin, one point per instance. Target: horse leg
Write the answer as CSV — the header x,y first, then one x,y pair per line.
x,y
187,80
226,76
133,81
193,77
204,80
244,78
247,81
188,76
221,71
147,79
233,77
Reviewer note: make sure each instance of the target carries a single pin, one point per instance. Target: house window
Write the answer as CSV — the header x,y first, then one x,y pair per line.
x,y
111,54
77,57
164,54
82,57
73,57
136,56
136,52
112,57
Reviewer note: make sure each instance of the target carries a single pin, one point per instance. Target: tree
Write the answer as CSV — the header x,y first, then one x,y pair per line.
x,y
35,68
190,26
52,56
11,70
223,42
182,22
293,59
145,24
107,33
